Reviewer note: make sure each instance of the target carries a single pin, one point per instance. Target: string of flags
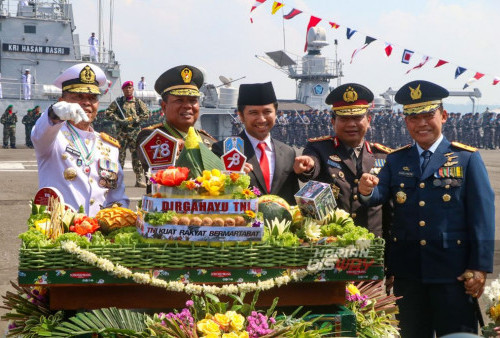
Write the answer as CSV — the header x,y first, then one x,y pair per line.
x,y
388,47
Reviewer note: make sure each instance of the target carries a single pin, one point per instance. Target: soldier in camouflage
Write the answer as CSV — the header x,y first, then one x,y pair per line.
x,y
9,120
28,121
129,112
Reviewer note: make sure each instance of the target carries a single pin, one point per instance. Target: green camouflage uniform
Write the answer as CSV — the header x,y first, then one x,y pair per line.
x,y
9,128
28,121
128,124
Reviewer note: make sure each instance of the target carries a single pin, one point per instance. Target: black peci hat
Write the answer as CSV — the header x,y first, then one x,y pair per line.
x,y
420,96
350,99
256,94
182,80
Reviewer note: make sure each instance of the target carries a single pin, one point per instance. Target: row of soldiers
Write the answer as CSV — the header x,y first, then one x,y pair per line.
x,y
9,121
386,127
295,127
477,130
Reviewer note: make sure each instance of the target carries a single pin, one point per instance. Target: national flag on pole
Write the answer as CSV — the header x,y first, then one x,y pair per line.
x,y
350,32
459,71
496,79
334,25
388,49
313,21
407,54
440,63
276,7
368,40
255,5
293,13
421,64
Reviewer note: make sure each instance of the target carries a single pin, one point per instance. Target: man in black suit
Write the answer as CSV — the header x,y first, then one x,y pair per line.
x,y
269,162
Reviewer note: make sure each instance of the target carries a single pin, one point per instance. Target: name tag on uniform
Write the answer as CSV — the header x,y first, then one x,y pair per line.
x,y
406,174
333,164
72,151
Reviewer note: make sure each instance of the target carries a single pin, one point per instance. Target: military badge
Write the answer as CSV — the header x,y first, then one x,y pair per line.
x,y
186,74
350,95
341,175
70,174
334,164
415,93
335,158
400,197
108,173
446,197
449,164
87,75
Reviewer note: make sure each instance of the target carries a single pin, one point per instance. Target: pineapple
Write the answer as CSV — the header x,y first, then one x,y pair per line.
x,y
115,218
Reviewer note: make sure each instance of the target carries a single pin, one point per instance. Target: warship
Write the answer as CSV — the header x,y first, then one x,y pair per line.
x,y
40,37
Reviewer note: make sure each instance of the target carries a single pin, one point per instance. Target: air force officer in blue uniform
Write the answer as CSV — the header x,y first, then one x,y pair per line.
x,y
441,242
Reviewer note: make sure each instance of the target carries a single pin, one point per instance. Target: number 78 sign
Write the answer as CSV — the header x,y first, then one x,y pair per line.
x,y
159,150
234,160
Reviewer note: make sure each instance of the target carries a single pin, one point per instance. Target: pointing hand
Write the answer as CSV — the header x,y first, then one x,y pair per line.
x,y
69,112
302,164
367,183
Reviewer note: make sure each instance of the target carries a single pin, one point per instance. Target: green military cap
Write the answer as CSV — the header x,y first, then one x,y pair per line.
x,y
420,96
350,99
182,80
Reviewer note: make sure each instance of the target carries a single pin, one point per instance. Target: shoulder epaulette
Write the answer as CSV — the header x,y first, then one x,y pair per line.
x,y
207,134
105,137
401,148
463,146
382,148
320,138
153,126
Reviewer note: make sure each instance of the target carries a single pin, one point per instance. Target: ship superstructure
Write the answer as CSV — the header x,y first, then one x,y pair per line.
x,y
39,36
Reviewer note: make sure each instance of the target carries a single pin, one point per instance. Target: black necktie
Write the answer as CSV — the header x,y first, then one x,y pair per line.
x,y
426,154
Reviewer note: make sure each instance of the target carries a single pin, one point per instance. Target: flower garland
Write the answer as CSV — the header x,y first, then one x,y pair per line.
x,y
189,288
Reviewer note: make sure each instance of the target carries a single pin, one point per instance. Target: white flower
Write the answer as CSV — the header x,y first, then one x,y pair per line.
x,y
363,243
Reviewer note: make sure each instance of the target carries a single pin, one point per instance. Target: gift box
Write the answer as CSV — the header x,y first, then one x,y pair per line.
x,y
315,200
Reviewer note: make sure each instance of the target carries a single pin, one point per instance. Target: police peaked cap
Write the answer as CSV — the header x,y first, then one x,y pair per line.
x,y
420,96
256,94
350,99
182,80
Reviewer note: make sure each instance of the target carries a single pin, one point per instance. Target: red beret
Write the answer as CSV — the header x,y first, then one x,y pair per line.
x,y
127,83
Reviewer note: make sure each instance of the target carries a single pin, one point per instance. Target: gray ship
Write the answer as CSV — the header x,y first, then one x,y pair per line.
x,y
40,37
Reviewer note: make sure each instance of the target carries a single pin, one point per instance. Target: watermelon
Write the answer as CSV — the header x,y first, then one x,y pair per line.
x,y
272,206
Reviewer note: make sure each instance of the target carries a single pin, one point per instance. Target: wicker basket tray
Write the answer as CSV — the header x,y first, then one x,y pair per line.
x,y
150,256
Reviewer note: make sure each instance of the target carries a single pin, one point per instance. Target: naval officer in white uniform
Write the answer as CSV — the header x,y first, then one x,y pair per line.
x,y
81,163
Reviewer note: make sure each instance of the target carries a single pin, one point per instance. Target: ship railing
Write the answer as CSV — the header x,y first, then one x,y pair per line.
x,y
49,10
46,91
100,55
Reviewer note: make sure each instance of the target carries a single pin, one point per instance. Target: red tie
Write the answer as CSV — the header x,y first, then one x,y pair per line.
x,y
264,165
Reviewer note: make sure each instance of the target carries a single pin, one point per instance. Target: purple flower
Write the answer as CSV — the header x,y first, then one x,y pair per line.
x,y
89,236
256,191
189,303
257,224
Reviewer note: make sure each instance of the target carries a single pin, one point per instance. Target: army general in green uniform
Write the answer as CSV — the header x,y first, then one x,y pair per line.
x,y
9,120
128,112
179,90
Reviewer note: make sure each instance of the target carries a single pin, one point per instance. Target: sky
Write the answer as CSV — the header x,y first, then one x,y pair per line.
x,y
151,36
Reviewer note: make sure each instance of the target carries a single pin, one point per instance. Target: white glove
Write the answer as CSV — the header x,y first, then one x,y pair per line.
x,y
69,111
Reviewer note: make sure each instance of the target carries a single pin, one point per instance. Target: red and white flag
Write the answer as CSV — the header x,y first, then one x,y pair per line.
x,y
440,63
368,40
388,49
255,5
334,25
496,79
473,79
421,64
